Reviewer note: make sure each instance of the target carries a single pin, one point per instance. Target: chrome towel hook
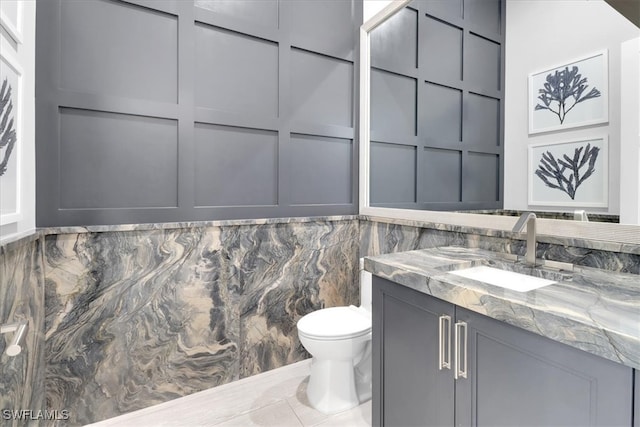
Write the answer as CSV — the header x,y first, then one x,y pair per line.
x,y
20,331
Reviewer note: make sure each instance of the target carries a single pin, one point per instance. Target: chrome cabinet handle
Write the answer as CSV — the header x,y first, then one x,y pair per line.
x,y
444,349
461,350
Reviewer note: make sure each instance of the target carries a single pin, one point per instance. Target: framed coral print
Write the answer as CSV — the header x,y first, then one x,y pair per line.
x,y
10,132
11,18
570,95
571,173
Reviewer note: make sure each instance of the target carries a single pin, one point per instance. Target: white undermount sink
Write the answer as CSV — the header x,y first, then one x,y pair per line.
x,y
503,278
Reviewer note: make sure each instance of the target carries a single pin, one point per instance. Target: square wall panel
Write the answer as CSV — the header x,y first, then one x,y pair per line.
x,y
135,58
441,51
441,114
235,72
393,103
321,170
112,160
393,173
445,9
321,89
485,14
482,64
480,177
235,166
262,12
482,121
322,25
441,176
396,41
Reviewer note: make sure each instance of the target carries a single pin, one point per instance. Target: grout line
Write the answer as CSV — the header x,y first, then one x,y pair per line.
x,y
295,413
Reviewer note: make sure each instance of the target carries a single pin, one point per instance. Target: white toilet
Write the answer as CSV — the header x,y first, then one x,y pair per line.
x,y
339,339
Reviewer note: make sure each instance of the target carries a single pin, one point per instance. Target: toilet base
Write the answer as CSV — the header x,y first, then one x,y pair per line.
x,y
337,385
332,386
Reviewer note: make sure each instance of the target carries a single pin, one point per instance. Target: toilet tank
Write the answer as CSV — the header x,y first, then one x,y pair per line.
x,y
365,287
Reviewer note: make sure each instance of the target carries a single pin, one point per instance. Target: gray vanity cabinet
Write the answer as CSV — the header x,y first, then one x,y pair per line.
x,y
408,388
636,405
513,377
516,377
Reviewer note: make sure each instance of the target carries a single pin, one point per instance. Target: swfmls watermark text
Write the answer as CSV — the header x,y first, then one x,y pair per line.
x,y
34,415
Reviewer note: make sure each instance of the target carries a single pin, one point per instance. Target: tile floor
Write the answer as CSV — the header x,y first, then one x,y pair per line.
x,y
274,398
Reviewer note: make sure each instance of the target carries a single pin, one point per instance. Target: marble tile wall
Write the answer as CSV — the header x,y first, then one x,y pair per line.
x,y
381,237
22,299
139,317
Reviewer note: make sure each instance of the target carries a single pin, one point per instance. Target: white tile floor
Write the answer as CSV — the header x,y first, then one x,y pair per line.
x,y
274,398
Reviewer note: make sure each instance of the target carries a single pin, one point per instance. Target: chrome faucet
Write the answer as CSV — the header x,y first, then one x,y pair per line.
x,y
528,220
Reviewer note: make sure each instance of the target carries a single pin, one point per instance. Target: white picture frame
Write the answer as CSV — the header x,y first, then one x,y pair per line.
x,y
587,103
11,162
11,18
552,176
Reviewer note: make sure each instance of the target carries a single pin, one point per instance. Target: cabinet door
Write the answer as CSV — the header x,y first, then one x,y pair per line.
x,y
409,389
517,378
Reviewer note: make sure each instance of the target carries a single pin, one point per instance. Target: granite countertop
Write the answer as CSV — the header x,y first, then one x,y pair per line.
x,y
597,311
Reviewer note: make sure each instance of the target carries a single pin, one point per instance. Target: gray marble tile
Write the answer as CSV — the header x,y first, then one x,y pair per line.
x,y
22,299
135,318
143,313
193,224
18,240
380,237
285,272
601,236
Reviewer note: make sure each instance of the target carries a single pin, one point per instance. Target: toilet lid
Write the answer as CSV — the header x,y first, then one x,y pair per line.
x,y
335,323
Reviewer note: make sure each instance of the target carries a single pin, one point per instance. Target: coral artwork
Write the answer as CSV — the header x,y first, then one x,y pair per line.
x,y
568,173
7,130
563,90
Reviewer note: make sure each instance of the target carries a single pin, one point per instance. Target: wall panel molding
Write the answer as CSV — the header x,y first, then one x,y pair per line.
x,y
235,79
452,114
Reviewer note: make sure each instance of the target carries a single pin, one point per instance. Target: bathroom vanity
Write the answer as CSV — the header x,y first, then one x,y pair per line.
x,y
449,350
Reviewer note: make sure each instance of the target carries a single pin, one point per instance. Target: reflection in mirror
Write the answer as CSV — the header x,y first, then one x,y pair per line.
x,y
445,115
436,106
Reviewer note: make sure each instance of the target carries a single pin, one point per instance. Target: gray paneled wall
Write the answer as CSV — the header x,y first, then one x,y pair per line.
x,y
436,106
167,111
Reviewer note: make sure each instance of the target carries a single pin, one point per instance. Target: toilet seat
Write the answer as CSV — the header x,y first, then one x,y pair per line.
x,y
335,323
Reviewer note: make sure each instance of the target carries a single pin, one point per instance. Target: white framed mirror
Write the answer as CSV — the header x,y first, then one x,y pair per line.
x,y
601,231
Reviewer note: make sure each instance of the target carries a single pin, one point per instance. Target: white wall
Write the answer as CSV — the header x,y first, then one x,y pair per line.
x,y
630,133
371,7
25,54
544,33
